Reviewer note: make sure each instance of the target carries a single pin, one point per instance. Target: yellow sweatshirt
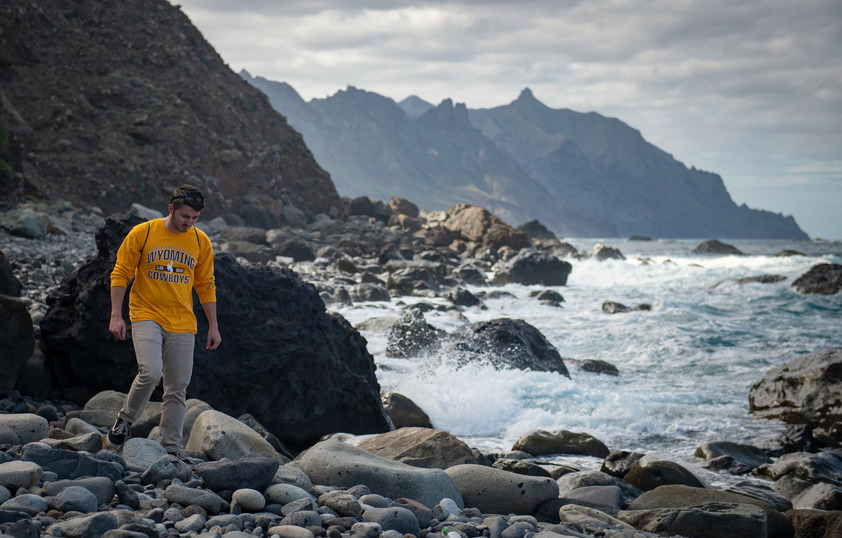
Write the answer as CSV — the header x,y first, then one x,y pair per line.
x,y
170,265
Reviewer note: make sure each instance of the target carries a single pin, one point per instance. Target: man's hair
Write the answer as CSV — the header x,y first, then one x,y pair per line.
x,y
188,195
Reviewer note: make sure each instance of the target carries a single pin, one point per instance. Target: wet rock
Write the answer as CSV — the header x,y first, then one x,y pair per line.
x,y
509,343
805,390
412,335
822,467
404,412
534,268
821,279
601,252
536,230
714,246
611,307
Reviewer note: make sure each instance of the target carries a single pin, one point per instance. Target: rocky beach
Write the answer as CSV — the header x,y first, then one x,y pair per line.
x,y
288,453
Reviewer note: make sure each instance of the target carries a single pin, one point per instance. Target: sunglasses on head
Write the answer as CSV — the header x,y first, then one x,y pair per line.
x,y
190,198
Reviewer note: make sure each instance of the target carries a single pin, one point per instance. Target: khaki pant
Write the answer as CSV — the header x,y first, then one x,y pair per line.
x,y
161,355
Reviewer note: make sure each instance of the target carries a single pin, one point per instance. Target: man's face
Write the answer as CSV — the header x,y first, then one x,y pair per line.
x,y
184,217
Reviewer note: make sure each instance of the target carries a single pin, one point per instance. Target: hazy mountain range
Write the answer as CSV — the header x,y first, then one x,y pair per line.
x,y
579,174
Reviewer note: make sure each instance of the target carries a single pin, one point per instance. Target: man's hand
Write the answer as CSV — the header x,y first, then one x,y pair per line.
x,y
117,327
213,339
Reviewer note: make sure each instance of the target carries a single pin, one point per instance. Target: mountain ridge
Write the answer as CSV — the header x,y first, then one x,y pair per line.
x,y
581,174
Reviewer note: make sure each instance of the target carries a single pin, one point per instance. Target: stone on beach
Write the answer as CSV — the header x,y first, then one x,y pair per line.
x,y
70,464
17,340
333,463
20,474
534,268
420,447
221,436
501,492
29,427
183,495
651,472
251,471
405,413
140,453
678,496
541,442
702,520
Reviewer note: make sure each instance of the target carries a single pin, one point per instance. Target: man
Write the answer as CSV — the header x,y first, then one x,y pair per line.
x,y
167,258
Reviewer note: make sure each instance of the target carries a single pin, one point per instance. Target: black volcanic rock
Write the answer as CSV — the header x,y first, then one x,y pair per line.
x,y
821,279
110,103
298,370
511,343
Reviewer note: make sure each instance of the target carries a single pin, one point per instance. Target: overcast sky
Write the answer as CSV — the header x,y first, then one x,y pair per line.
x,y
750,90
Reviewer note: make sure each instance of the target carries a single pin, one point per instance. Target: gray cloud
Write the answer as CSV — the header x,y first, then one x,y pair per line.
x,y
750,90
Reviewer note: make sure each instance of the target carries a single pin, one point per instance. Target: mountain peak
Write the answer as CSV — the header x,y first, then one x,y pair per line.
x,y
448,116
526,95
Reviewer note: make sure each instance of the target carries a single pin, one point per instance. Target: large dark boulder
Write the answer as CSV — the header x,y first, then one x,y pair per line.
x,y
9,283
509,343
806,390
300,371
530,268
821,279
17,340
715,246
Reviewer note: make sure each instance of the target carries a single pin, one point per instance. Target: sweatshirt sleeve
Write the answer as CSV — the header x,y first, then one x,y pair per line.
x,y
128,257
203,278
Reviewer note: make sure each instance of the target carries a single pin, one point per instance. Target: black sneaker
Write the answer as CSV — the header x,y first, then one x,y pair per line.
x,y
119,433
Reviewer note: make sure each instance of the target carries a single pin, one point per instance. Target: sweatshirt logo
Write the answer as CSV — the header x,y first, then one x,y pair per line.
x,y
167,272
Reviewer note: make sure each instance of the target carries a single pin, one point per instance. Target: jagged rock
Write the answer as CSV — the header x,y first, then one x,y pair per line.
x,y
825,466
761,279
462,297
297,337
404,412
297,249
472,223
509,343
601,252
403,206
412,335
370,207
536,230
714,246
620,462
530,268
805,390
408,277
420,447
254,471
594,366
821,279
540,442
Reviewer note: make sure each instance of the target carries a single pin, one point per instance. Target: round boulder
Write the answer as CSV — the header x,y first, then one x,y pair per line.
x,y
541,442
501,492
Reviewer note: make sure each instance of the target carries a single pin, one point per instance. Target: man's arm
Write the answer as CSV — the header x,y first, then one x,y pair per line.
x,y
117,326
213,328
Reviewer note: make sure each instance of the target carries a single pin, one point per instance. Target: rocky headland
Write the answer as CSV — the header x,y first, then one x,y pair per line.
x,y
294,458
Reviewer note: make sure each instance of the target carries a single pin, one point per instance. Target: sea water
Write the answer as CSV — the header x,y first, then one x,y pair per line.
x,y
685,367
